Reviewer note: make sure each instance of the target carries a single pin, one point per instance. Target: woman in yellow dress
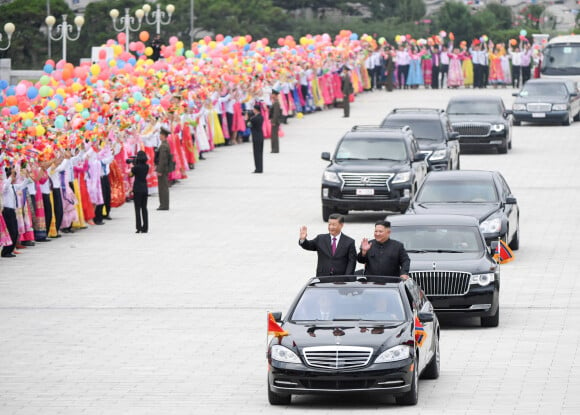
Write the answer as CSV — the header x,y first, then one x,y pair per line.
x,y
467,66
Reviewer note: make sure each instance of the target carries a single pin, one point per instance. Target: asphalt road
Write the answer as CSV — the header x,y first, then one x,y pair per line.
x,y
106,321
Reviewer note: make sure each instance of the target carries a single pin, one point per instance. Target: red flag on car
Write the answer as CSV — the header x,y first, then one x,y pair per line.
x,y
420,334
503,254
274,328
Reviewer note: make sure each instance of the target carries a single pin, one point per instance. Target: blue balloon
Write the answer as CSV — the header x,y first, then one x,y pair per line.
x,y
354,36
32,92
120,64
246,47
48,68
3,84
10,91
13,110
227,39
155,101
1,99
132,61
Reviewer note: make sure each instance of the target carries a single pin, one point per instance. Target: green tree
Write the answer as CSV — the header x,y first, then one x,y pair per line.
x,y
455,17
502,15
410,10
29,47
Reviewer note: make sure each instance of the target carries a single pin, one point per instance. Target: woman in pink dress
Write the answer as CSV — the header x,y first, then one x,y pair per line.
x,y
455,75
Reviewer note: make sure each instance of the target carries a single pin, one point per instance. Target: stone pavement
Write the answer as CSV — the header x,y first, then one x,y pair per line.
x,y
106,321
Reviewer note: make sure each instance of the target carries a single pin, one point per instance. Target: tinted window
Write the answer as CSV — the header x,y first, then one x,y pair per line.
x,y
473,107
433,238
475,191
544,89
349,303
371,148
429,129
561,60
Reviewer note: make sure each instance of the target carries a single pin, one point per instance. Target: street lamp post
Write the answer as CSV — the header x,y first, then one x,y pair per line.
x,y
9,28
126,23
158,16
65,30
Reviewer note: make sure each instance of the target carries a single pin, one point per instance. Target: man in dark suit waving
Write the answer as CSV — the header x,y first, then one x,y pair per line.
x,y
336,251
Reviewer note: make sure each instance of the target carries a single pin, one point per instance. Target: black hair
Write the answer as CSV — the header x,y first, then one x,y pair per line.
x,y
141,157
384,223
337,216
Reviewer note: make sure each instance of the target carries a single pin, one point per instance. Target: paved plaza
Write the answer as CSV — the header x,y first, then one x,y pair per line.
x,y
106,321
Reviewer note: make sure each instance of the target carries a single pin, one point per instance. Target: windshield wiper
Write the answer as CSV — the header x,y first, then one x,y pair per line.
x,y
444,251
383,158
417,251
348,158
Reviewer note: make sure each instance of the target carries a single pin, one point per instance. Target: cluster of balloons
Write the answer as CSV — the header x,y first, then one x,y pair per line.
x,y
124,86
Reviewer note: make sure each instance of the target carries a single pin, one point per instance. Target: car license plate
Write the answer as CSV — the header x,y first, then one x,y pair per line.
x,y
365,192
538,115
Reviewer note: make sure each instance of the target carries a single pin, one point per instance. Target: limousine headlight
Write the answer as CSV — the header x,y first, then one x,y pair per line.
x,y
498,128
283,354
330,176
519,107
482,279
559,107
394,354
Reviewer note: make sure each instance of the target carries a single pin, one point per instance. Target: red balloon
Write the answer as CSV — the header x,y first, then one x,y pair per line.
x,y
219,37
102,54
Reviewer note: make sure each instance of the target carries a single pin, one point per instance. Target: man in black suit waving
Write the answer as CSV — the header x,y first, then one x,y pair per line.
x,y
382,255
336,251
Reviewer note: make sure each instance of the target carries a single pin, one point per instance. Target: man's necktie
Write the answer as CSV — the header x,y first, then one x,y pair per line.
x,y
333,245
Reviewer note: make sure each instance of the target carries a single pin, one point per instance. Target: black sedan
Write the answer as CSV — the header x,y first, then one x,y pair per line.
x,y
485,195
547,100
481,121
349,334
452,264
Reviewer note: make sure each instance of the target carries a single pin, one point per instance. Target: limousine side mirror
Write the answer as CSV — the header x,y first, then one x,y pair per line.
x,y
510,200
515,94
425,316
493,246
277,316
454,136
573,94
507,113
325,156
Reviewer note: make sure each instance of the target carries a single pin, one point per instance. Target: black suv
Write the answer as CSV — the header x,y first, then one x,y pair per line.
x,y
452,263
481,121
352,334
372,168
433,132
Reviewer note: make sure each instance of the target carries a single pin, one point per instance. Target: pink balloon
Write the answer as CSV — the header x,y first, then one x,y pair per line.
x,y
60,64
121,38
5,111
173,40
20,89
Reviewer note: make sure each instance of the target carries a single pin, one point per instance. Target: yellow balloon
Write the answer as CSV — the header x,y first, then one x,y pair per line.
x,y
140,82
267,49
117,50
61,92
131,100
179,45
53,104
148,51
79,107
40,130
95,69
212,44
76,87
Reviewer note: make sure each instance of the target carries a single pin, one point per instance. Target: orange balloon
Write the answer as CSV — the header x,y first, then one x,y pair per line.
x,y
144,36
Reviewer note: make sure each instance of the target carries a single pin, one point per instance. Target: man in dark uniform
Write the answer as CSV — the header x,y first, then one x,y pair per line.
x,y
163,169
336,251
382,255
255,122
346,90
275,120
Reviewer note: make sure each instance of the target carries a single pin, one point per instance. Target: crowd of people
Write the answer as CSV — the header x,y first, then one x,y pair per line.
x,y
83,140
431,65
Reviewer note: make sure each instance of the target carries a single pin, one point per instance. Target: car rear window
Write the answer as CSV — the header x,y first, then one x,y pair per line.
x,y
422,129
371,148
473,107
457,191
439,237
349,303
544,89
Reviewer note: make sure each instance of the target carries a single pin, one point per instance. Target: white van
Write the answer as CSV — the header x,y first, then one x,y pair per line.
x,y
562,58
